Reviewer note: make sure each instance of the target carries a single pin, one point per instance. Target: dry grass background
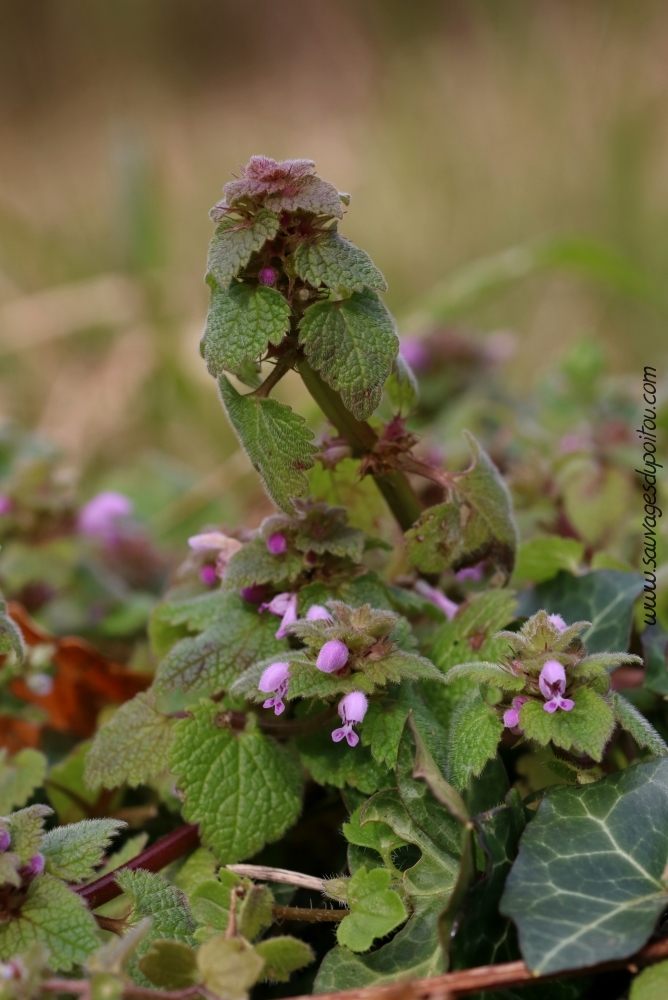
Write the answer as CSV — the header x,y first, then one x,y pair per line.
x,y
461,128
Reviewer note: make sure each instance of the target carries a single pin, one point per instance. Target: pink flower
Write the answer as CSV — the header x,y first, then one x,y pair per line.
x,y
352,709
511,718
317,613
6,504
472,573
285,607
267,276
277,544
100,516
255,594
208,575
333,655
552,683
558,622
414,352
443,603
274,681
5,840
34,867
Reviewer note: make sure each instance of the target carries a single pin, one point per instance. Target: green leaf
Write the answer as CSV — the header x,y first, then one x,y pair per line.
x,y
242,788
475,731
170,965
56,917
234,242
20,775
383,726
338,764
483,936
475,524
151,895
651,984
73,852
402,387
635,723
490,674
283,955
333,261
240,323
423,768
11,636
255,564
208,663
542,558
471,632
352,343
276,439
172,620
587,885
585,729
378,837
200,867
114,956
228,968
210,901
67,791
133,746
26,828
375,909
604,597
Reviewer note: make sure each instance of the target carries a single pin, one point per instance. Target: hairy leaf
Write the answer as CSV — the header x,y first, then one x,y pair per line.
x,y
585,729
133,746
542,558
352,343
277,441
338,764
170,965
228,968
375,909
587,885
243,788
333,261
283,955
475,731
56,917
20,775
490,674
312,195
255,564
476,523
234,242
241,321
402,387
635,723
73,852
26,828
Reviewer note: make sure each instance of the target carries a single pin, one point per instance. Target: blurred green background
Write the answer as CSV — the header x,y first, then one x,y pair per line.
x,y
512,155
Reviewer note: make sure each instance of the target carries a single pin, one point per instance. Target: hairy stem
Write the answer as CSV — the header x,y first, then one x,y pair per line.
x,y
397,491
311,915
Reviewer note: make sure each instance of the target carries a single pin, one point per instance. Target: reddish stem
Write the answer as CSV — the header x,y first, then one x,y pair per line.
x,y
153,859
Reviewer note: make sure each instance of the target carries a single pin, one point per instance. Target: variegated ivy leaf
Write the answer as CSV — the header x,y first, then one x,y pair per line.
x,y
241,321
208,663
276,439
242,788
20,775
475,523
54,916
234,242
255,564
329,259
73,852
352,343
133,746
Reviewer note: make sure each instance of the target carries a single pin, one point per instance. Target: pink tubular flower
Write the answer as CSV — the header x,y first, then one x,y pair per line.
x,y
443,603
285,607
552,684
558,622
511,718
352,709
100,516
415,352
333,655
5,840
277,544
317,613
267,276
274,681
472,573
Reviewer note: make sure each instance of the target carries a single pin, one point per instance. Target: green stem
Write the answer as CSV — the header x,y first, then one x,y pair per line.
x,y
397,491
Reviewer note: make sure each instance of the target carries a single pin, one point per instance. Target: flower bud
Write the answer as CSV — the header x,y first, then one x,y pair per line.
x,y
257,593
34,867
208,575
277,544
5,840
333,655
558,622
267,276
316,613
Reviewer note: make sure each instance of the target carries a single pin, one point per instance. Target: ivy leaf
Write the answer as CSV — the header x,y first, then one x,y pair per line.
x,y
73,852
333,261
542,558
228,968
352,343
587,885
56,917
635,723
20,775
375,909
604,597
475,731
283,955
276,439
585,729
240,323
210,662
243,788
234,242
133,746
475,523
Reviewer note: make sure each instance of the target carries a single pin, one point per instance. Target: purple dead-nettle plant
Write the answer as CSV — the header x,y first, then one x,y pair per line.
x,y
552,683
333,656
352,710
102,516
284,606
274,681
